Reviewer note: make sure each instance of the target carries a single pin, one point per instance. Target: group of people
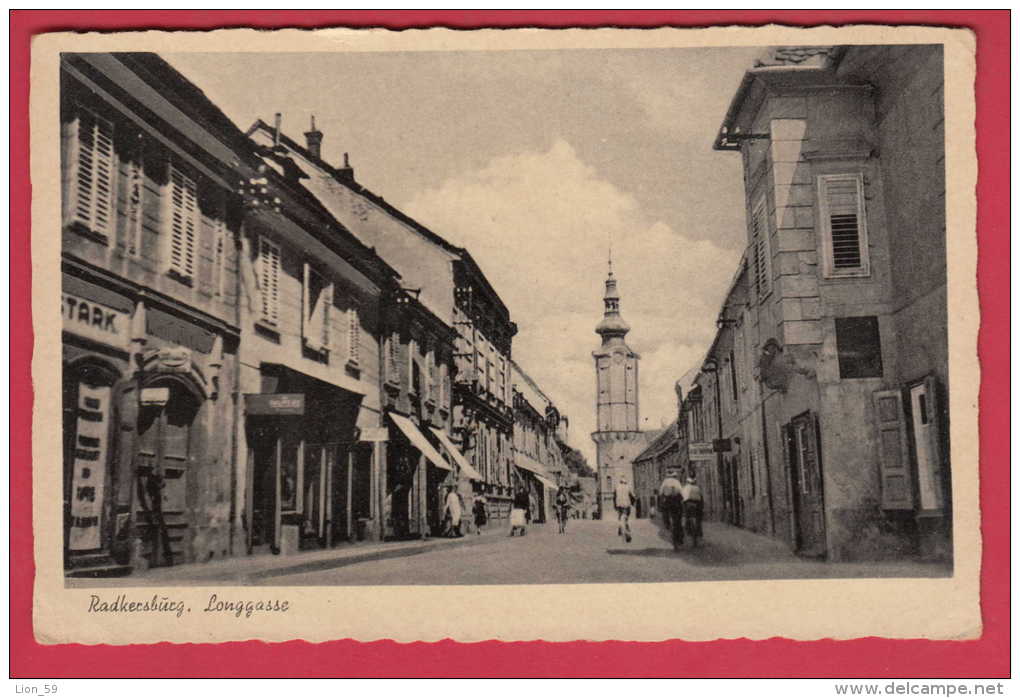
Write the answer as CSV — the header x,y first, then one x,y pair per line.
x,y
453,513
682,507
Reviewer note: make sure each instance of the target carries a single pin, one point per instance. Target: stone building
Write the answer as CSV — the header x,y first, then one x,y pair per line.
x,y
842,317
617,439
149,286
449,285
539,466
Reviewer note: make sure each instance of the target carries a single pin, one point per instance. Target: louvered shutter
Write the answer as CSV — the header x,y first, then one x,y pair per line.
x,y
269,280
842,198
316,299
761,249
353,335
93,189
183,223
894,463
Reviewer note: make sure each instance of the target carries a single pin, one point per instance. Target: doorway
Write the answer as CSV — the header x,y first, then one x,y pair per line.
x,y
806,480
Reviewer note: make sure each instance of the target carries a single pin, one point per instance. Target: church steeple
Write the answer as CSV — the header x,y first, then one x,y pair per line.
x,y
612,325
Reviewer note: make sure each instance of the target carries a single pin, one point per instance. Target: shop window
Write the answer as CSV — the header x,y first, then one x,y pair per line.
x,y
94,162
269,280
761,249
859,347
183,220
87,414
844,225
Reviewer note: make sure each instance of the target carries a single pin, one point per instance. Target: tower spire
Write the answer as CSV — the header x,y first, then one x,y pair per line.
x,y
612,325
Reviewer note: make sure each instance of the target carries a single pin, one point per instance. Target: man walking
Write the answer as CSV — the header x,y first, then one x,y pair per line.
x,y
671,502
623,500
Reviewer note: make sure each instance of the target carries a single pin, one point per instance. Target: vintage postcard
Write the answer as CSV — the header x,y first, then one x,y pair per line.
x,y
522,334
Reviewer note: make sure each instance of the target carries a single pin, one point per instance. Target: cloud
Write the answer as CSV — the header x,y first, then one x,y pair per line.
x,y
540,224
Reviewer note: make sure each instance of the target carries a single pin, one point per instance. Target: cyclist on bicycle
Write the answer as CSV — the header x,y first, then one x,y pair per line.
x,y
562,508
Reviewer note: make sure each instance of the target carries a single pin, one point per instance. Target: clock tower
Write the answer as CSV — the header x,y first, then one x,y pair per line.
x,y
617,438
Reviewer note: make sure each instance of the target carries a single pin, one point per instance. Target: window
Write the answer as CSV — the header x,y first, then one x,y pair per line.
x,y
761,249
859,347
183,222
353,336
733,376
430,371
269,280
393,359
412,368
844,229
317,297
133,214
94,163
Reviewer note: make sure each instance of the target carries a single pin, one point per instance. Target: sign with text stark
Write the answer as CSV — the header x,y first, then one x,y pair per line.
x,y
699,450
270,404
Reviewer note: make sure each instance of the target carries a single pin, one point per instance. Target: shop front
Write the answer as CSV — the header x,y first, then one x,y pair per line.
x,y
417,478
532,478
309,478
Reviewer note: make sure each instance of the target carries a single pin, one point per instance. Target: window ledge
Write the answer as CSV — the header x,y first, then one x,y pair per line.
x,y
181,278
87,232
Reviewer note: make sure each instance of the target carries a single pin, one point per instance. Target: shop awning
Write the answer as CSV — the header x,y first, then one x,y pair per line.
x,y
465,467
548,483
530,464
419,441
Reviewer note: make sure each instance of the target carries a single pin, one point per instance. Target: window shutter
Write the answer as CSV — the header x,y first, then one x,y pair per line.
x,y
842,203
220,255
183,223
93,189
353,335
762,251
269,279
316,299
894,463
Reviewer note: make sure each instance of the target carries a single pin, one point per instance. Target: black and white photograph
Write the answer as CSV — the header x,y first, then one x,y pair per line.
x,y
552,316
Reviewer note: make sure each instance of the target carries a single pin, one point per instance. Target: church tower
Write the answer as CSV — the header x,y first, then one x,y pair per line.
x,y
618,439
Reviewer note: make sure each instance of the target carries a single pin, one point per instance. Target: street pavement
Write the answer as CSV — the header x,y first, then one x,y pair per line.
x,y
591,551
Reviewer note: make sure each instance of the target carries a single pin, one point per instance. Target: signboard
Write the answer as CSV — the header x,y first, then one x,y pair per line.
x,y
155,397
374,434
274,404
88,479
95,321
700,450
721,445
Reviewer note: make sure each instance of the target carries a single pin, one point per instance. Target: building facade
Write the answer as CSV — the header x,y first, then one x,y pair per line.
x,y
539,465
149,311
448,284
842,318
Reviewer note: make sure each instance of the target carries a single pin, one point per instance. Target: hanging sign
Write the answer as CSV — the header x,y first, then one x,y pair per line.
x,y
89,476
270,404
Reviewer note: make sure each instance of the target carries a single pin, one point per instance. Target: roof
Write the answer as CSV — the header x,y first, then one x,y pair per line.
x,y
379,201
661,443
780,62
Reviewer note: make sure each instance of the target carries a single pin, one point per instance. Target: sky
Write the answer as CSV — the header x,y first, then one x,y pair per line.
x,y
537,162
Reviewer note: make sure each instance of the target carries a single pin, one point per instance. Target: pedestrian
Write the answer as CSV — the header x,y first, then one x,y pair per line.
x,y
672,502
481,513
518,515
694,508
562,508
453,512
623,499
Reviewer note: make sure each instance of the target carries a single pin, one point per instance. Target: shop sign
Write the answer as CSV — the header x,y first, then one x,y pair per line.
x,y
699,450
274,404
721,445
155,397
95,321
373,434
88,479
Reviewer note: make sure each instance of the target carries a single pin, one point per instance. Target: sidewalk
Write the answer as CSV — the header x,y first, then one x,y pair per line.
x,y
249,569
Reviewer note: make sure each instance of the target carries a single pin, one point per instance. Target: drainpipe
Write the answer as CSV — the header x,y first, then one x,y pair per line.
x,y
236,393
768,468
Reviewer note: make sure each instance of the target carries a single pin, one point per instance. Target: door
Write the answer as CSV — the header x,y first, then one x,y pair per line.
x,y
927,446
806,478
339,464
165,445
264,444
313,515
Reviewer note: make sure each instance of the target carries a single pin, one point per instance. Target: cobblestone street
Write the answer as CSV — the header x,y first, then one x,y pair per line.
x,y
591,551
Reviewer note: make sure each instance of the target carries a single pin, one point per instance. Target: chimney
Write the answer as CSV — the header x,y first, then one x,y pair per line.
x,y
313,139
277,121
346,172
